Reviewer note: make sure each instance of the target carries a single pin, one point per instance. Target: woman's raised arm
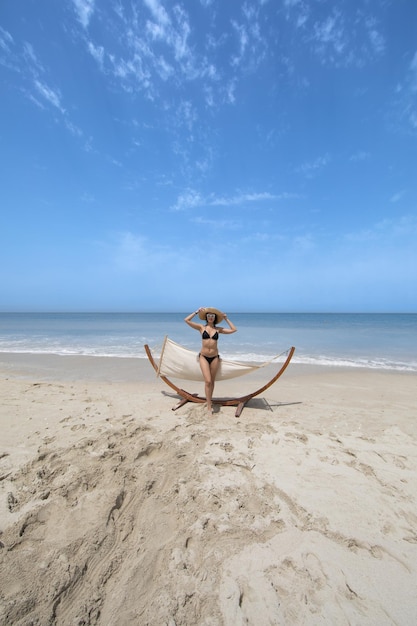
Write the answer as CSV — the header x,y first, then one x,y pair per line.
x,y
188,320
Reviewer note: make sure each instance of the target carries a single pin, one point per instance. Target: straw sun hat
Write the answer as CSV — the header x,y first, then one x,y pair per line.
x,y
210,309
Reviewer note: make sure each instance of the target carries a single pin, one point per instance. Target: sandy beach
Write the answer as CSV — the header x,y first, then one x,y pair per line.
x,y
114,509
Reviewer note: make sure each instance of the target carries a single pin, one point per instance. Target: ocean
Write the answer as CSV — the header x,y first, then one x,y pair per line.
x,y
378,341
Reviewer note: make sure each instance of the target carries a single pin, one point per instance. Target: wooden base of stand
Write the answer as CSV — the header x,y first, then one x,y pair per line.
x,y
228,402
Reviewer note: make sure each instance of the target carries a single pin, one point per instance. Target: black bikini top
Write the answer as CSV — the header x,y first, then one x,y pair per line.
x,y
205,335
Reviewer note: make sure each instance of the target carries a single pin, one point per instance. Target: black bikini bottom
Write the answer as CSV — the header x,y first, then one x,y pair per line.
x,y
209,359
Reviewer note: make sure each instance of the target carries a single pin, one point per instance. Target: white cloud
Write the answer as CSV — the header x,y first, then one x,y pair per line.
x,y
156,31
387,230
304,243
50,95
7,53
218,223
162,45
311,168
376,39
73,128
191,199
330,30
293,3
186,114
413,73
263,238
405,94
181,35
241,199
84,9
35,86
397,196
173,32
329,35
413,119
188,200
5,39
164,69
242,43
230,92
130,252
155,48
97,52
31,58
158,12
251,42
343,37
361,155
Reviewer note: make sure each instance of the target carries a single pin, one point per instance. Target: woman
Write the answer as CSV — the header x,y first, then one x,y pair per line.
x,y
209,355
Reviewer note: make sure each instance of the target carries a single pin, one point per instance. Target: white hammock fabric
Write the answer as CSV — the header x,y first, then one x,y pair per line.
x,y
179,362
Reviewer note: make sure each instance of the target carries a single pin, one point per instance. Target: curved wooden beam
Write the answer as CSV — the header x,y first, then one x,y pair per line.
x,y
180,392
273,380
240,402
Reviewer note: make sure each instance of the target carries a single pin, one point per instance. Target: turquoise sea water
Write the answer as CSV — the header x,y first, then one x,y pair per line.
x,y
381,341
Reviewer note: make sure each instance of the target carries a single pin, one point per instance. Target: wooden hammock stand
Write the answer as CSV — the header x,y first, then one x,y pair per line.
x,y
238,402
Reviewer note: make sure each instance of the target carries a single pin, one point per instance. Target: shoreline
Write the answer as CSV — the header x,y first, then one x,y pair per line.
x,y
114,506
107,368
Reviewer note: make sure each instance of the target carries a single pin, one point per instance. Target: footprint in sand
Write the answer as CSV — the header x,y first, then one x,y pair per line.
x,y
303,438
66,419
78,427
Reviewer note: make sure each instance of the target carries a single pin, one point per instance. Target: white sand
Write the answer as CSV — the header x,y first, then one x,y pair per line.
x,y
116,510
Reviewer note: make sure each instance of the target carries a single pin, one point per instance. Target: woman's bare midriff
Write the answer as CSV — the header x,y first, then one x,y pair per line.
x,y
209,347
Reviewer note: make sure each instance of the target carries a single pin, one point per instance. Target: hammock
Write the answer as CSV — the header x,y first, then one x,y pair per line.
x,y
179,362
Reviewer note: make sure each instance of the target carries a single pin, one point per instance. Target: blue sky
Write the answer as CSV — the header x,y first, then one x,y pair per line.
x,y
255,155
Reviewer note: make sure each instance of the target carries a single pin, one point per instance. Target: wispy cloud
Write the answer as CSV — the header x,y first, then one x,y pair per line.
x,y
186,114
6,40
251,41
36,86
52,96
397,196
192,199
133,253
405,101
158,45
189,199
28,65
361,155
247,198
9,57
97,52
329,35
412,87
263,238
387,230
413,73
312,168
84,9
220,224
304,243
241,199
242,43
376,39
342,37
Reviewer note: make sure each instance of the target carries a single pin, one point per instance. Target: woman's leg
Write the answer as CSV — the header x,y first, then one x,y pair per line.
x,y
214,366
209,371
